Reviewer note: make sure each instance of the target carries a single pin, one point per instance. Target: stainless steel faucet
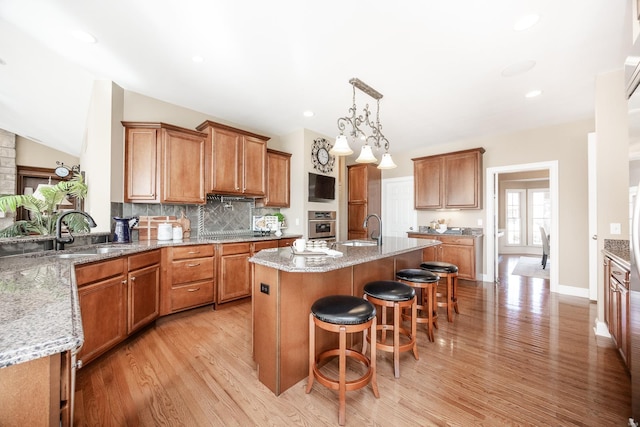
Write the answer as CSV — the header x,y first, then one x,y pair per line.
x,y
60,242
379,237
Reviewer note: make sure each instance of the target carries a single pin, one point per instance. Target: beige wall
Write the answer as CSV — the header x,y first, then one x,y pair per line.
x,y
566,143
31,153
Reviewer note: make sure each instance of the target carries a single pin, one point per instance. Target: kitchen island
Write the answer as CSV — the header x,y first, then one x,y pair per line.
x,y
286,285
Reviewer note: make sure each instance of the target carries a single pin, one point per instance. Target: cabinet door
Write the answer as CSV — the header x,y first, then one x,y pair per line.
x,y
235,277
462,178
278,179
624,324
144,292
224,173
183,167
104,313
431,253
428,183
357,184
141,159
357,213
462,256
253,161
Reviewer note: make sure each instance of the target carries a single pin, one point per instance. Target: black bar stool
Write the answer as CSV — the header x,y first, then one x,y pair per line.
x,y
427,283
396,295
450,272
342,314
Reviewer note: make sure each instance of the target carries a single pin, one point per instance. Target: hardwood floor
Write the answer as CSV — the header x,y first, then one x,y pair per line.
x,y
515,355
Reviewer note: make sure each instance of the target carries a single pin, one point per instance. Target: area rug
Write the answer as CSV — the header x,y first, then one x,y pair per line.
x,y
531,267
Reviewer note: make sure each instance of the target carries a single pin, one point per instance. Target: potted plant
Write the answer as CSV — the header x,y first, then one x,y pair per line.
x,y
43,211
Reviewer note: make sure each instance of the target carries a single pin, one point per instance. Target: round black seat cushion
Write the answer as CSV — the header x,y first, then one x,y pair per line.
x,y
417,275
389,290
439,267
343,310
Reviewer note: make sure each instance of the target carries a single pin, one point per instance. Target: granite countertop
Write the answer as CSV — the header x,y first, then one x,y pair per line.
x,y
39,306
284,259
619,251
453,231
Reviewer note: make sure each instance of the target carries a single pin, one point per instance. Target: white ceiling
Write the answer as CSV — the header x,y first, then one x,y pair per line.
x,y
437,63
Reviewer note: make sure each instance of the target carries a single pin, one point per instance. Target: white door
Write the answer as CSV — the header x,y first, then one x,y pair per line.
x,y
398,213
593,217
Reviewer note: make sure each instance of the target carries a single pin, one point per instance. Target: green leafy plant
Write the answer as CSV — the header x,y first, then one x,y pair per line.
x,y
43,212
278,215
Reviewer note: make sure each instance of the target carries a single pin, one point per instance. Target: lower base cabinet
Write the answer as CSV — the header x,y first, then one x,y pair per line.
x,y
37,393
117,297
616,279
463,251
189,277
234,269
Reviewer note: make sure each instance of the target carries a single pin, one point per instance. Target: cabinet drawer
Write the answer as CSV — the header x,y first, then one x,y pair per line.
x,y
235,248
89,273
192,295
258,246
190,270
196,251
449,240
286,242
619,274
144,259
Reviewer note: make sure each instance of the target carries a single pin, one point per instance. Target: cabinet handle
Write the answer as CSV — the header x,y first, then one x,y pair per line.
x,y
133,278
193,290
124,282
617,273
194,252
193,265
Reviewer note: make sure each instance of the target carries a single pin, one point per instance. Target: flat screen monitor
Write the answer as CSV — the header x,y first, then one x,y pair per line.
x,y
322,188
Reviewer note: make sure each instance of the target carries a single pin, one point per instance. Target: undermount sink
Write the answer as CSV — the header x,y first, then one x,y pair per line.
x,y
359,243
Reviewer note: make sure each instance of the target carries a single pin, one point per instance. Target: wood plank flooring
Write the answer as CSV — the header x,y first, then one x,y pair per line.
x,y
515,355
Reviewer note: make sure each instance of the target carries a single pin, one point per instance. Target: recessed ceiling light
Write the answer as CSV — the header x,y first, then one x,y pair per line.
x,y
533,93
83,36
526,22
518,68
197,59
308,114
3,62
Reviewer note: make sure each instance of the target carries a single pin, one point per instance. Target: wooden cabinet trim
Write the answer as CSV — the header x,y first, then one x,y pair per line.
x,y
100,270
197,251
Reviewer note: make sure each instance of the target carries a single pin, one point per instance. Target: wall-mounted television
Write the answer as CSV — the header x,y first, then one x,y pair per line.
x,y
322,188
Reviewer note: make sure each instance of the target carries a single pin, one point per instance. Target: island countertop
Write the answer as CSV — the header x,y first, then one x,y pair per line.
x,y
285,260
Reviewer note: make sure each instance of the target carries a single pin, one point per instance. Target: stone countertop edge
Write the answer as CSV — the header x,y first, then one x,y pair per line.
x,y
39,305
283,258
436,234
618,250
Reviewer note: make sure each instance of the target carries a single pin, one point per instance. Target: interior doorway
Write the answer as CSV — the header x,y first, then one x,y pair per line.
x,y
491,202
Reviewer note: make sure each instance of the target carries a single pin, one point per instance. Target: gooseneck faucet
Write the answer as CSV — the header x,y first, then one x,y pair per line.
x,y
379,237
60,242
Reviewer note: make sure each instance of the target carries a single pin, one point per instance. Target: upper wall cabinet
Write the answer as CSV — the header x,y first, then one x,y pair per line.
x,y
235,160
449,181
278,179
163,164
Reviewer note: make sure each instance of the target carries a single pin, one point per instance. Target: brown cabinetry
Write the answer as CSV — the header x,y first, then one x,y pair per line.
x,y
235,160
234,269
449,181
163,164
278,179
463,251
189,280
617,305
364,198
117,297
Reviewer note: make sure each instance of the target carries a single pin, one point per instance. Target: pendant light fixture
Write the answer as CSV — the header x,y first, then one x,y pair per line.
x,y
356,121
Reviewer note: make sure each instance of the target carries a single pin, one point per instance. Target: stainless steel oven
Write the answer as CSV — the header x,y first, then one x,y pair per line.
x,y
322,225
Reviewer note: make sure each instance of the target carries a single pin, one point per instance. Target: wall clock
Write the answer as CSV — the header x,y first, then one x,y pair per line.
x,y
320,157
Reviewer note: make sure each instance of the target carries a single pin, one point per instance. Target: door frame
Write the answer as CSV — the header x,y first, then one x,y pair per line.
x,y
491,215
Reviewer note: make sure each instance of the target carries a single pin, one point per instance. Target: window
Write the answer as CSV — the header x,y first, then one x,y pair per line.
x,y
515,217
527,211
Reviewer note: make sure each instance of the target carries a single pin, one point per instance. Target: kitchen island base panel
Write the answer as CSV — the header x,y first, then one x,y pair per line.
x,y
280,317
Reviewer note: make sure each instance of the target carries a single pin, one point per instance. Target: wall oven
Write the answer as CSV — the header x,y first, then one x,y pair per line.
x,y
322,225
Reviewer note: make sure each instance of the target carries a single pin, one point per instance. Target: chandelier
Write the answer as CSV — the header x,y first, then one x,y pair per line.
x,y
356,121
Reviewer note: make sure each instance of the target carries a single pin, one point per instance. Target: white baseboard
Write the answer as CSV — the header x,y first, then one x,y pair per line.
x,y
601,329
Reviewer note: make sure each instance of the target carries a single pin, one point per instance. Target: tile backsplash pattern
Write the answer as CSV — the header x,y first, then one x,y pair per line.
x,y
220,216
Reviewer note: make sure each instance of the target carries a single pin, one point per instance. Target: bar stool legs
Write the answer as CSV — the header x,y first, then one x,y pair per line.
x,y
426,283
390,294
450,272
342,314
